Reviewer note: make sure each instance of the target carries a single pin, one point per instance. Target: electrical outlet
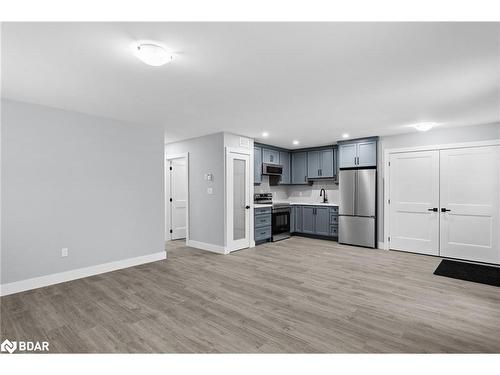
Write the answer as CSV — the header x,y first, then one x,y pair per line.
x,y
210,190
64,252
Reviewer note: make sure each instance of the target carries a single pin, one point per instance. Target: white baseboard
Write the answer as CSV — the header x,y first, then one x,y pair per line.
x,y
381,245
206,246
56,278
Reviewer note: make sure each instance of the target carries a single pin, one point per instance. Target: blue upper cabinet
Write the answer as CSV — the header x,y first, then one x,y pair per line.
x,y
347,155
367,154
326,163
358,154
257,165
284,160
270,156
299,168
320,163
313,164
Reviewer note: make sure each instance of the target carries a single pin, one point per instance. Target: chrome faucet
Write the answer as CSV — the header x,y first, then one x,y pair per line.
x,y
322,193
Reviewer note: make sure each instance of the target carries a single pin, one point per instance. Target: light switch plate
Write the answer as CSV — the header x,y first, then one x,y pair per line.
x,y
210,190
64,252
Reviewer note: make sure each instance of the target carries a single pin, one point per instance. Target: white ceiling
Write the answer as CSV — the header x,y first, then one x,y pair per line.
x,y
305,81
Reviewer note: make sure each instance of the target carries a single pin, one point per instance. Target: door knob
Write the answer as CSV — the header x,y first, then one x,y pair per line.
x,y
433,209
247,207
444,210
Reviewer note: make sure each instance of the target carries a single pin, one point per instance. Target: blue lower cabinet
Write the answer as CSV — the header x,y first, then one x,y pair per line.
x,y
262,221
298,219
262,211
262,224
262,234
318,221
322,221
308,220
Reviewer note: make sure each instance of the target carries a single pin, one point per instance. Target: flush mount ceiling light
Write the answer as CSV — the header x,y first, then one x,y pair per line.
x,y
152,53
424,126
345,135
265,134
295,142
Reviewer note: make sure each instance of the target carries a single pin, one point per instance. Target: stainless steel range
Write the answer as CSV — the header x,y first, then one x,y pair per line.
x,y
280,223
263,198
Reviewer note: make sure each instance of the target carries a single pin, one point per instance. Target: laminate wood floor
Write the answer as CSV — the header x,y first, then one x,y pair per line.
x,y
297,296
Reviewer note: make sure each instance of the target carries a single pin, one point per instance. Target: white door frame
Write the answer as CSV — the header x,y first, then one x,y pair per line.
x,y
387,175
168,213
247,152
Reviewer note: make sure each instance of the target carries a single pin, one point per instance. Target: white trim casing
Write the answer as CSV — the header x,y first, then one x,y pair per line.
x,y
385,161
168,236
227,230
61,277
206,246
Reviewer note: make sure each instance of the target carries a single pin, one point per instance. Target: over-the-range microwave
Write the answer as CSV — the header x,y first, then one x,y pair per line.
x,y
272,169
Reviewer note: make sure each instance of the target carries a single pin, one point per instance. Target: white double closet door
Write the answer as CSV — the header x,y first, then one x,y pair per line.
x,y
446,203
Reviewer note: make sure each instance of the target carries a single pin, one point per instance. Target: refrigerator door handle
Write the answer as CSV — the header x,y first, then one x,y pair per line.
x,y
356,193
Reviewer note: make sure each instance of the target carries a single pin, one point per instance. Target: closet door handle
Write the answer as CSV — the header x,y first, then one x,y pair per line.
x,y
433,209
444,210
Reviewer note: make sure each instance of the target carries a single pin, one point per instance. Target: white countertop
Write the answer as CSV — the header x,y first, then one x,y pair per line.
x,y
261,205
328,204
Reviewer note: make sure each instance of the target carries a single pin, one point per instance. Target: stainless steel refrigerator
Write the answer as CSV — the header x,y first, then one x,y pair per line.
x,y
357,216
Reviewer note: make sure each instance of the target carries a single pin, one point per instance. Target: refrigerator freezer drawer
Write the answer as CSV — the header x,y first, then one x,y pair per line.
x,y
356,230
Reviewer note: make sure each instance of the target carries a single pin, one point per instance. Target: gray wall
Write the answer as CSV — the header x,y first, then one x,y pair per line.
x,y
90,184
432,137
206,212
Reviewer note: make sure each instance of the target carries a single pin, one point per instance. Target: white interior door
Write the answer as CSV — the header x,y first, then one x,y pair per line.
x,y
179,196
470,190
414,202
238,201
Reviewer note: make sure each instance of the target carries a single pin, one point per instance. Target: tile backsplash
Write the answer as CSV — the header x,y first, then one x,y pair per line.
x,y
300,193
279,192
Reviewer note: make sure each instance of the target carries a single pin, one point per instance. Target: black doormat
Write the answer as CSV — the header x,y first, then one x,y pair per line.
x,y
477,273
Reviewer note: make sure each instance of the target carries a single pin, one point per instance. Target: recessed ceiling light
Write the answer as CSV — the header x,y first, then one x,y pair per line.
x,y
295,142
265,134
424,126
345,135
152,53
